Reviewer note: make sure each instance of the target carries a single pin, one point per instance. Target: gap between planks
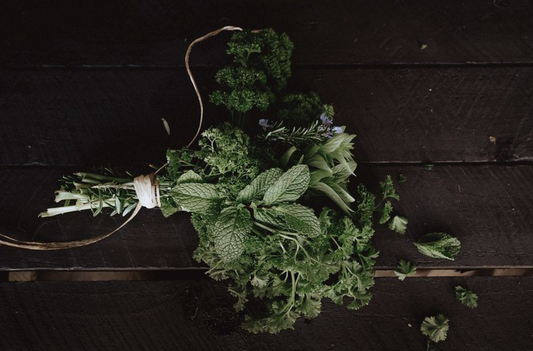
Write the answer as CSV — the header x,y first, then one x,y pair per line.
x,y
25,276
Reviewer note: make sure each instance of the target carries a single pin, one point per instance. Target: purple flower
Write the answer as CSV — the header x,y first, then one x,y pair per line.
x,y
336,130
264,123
325,120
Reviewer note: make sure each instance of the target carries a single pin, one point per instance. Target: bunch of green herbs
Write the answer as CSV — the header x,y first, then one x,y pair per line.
x,y
251,190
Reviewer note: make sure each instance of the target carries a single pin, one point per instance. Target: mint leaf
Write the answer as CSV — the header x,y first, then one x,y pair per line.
x,y
271,217
230,232
189,177
300,219
398,224
435,328
196,197
294,217
405,269
169,207
439,245
289,187
259,185
466,297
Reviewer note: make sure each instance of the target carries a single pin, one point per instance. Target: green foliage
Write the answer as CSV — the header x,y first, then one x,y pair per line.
x,y
385,212
250,197
289,186
439,245
231,231
196,197
331,164
405,269
387,188
398,224
257,188
466,297
302,109
260,69
435,327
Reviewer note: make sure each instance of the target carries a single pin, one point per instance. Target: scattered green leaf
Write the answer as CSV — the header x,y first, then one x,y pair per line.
x,y
466,297
398,224
435,327
405,269
439,245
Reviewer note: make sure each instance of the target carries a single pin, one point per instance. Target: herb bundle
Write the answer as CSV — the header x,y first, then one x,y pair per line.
x,y
251,186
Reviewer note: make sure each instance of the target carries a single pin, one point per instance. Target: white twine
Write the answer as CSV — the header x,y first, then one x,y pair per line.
x,y
147,190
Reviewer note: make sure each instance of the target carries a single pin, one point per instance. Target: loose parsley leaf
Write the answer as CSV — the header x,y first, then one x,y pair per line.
x,y
385,212
435,328
398,224
439,245
401,178
466,297
387,188
405,269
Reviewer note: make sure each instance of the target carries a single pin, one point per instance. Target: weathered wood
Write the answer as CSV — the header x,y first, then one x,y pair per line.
x,y
113,117
487,207
152,33
197,315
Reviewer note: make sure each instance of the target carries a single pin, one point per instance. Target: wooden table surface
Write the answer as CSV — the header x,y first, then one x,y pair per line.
x,y
441,92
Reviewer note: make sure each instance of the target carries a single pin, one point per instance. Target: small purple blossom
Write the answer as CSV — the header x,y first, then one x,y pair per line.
x,y
264,123
325,120
336,130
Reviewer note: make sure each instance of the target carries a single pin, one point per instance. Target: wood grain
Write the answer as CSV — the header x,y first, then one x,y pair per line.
x,y
487,207
197,315
156,33
113,117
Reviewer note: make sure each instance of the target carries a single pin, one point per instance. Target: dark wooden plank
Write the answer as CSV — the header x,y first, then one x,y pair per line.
x,y
113,117
153,33
197,315
149,241
487,207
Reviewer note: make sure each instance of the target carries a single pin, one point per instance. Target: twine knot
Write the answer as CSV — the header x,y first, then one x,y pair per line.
x,y
147,190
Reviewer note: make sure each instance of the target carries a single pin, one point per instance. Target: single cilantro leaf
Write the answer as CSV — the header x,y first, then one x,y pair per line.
x,y
398,224
467,297
405,269
259,185
195,197
435,328
189,177
289,187
230,232
439,245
